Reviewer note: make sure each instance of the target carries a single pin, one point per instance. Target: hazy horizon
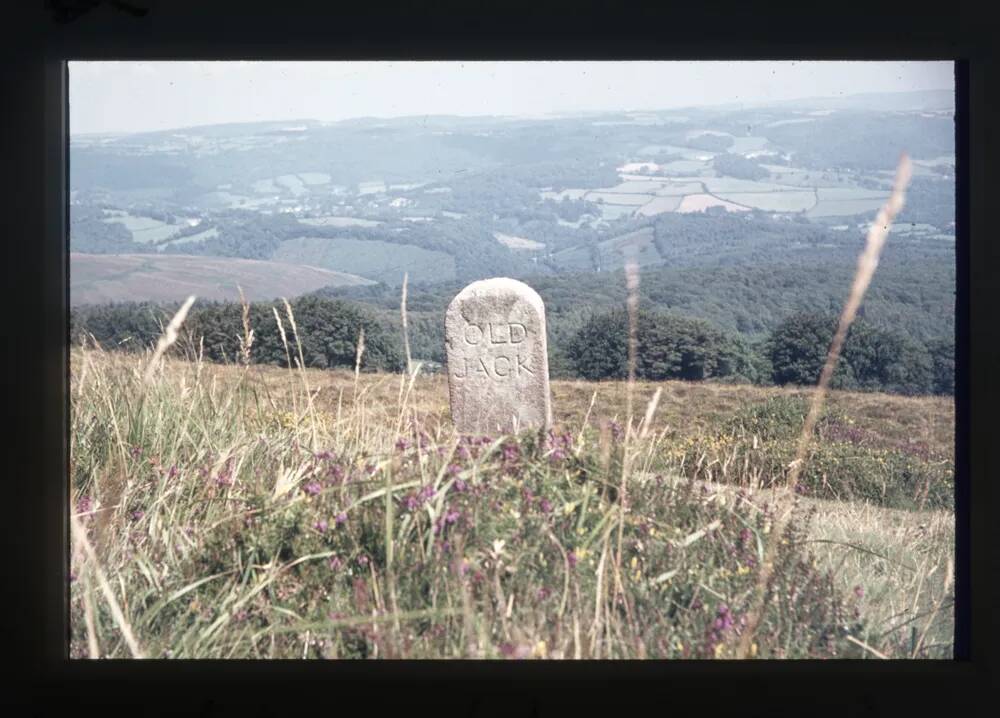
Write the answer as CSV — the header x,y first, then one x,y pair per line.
x,y
135,97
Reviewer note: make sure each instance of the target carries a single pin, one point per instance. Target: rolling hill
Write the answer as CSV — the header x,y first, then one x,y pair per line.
x,y
101,278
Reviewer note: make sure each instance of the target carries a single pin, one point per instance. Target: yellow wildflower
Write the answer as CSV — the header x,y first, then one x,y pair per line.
x,y
753,650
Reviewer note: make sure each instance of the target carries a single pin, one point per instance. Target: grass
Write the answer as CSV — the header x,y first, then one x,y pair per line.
x,y
372,259
249,511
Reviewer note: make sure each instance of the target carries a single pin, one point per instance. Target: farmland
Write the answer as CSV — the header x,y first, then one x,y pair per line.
x,y
374,259
98,279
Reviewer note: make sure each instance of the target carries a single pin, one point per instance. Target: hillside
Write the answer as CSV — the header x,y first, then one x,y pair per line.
x,y
103,278
441,197
325,515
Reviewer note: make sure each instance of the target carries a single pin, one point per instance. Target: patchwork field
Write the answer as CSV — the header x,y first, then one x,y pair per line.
x,y
701,202
191,238
340,222
845,207
660,205
145,229
772,201
618,198
517,243
375,260
100,278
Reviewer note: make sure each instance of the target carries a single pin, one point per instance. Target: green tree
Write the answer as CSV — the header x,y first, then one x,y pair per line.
x,y
669,347
599,349
872,359
942,353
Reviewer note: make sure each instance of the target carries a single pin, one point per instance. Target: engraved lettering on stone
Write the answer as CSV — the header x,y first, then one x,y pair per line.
x,y
497,358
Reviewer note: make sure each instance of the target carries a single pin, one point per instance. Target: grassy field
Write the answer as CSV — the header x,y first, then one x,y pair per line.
x,y
251,511
373,259
99,278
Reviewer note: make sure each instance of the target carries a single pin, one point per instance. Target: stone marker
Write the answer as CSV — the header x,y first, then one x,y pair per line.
x,y
498,362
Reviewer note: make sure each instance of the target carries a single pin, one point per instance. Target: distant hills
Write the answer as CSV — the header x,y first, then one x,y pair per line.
x,y
761,204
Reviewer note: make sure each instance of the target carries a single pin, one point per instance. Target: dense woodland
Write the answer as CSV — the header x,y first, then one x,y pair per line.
x,y
671,346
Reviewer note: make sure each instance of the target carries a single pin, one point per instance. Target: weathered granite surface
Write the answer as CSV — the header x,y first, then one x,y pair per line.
x,y
498,368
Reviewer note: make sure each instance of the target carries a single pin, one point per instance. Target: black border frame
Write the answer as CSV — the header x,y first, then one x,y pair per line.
x,y
37,314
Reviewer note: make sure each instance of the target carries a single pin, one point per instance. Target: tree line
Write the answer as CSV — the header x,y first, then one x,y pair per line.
x,y
670,346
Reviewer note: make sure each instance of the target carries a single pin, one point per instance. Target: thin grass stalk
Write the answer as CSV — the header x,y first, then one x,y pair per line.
x,y
867,263
168,337
302,374
246,342
406,334
116,612
632,303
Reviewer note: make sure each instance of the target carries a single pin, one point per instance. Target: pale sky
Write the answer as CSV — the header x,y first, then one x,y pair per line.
x,y
144,96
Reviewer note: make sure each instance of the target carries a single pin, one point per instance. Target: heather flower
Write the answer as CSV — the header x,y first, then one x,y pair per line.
x,y
571,559
411,502
321,526
173,472
462,453
341,518
546,506
137,514
859,591
324,456
543,593
426,493
362,560
453,469
335,563
459,485
136,451
313,488
402,444
84,505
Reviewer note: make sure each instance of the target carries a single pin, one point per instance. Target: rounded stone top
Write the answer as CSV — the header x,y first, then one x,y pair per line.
x,y
499,286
